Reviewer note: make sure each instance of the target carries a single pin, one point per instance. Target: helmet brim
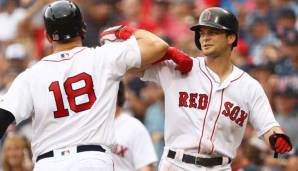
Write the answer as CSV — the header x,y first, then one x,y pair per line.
x,y
212,25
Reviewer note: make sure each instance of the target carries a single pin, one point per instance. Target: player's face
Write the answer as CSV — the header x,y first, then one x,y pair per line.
x,y
214,42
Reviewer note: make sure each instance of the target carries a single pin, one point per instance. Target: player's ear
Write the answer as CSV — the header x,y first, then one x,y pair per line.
x,y
231,38
48,37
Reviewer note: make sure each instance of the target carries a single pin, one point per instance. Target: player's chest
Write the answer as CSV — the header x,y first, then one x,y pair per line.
x,y
212,102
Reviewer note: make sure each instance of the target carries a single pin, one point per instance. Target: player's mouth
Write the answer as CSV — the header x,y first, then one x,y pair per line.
x,y
207,46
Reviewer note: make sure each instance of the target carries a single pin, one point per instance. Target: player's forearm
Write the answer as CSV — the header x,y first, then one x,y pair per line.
x,y
6,118
270,132
151,46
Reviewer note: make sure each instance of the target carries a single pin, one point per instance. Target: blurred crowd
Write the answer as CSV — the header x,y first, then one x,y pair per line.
x,y
267,49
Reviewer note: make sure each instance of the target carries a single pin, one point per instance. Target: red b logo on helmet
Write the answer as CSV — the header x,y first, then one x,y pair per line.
x,y
207,16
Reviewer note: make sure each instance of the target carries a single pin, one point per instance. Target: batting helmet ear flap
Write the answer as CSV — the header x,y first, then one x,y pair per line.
x,y
197,39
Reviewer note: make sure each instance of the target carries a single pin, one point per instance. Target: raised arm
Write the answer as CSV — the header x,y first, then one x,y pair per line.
x,y
150,46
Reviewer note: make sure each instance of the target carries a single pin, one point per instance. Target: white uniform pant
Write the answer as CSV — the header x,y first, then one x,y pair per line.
x,y
89,161
168,164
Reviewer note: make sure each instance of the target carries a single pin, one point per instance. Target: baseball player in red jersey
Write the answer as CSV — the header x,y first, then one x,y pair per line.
x,y
71,94
207,110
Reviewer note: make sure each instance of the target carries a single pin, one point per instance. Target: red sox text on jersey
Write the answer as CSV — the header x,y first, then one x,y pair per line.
x,y
200,101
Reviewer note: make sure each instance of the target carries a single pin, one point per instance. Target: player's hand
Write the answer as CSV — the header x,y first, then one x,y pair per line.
x,y
280,143
116,34
183,61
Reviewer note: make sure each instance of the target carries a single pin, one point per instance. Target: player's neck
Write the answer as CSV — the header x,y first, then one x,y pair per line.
x,y
221,65
117,113
58,47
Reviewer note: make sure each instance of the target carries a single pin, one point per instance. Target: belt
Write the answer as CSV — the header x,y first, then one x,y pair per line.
x,y
80,148
206,162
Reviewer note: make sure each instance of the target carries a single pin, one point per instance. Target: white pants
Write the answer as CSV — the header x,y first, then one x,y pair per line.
x,y
168,164
89,161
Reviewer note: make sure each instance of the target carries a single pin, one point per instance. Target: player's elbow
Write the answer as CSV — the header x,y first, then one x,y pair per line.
x,y
153,51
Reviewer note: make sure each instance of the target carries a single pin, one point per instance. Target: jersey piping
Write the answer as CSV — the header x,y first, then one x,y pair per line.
x,y
210,95
64,59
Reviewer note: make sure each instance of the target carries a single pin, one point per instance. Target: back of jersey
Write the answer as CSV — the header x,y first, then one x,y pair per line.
x,y
72,95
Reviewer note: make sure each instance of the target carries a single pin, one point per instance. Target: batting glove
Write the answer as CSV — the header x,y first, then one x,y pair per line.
x,y
280,143
183,62
116,34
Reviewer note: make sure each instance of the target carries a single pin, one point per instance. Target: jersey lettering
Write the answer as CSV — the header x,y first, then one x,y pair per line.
x,y
242,118
203,101
228,106
183,99
71,93
61,111
233,113
193,100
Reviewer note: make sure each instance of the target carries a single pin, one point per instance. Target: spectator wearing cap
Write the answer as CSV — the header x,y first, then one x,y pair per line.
x,y
16,56
288,64
15,61
285,19
260,36
285,102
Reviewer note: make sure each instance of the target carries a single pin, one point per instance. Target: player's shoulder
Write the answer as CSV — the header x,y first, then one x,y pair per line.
x,y
67,54
246,76
246,81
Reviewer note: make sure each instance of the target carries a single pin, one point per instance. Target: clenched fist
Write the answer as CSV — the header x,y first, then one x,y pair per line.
x,y
116,34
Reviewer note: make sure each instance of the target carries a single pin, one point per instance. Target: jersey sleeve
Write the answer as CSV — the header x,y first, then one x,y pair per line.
x,y
161,73
18,99
261,115
143,145
122,56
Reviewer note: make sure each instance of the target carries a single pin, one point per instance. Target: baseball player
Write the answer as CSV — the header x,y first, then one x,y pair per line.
x,y
71,94
134,150
207,110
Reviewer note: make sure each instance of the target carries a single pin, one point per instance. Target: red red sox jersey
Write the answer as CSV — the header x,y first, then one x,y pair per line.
x,y
206,115
71,95
134,148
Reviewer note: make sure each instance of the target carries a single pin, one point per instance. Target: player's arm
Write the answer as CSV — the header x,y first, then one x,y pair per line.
x,y
183,62
149,167
120,33
152,48
6,118
262,118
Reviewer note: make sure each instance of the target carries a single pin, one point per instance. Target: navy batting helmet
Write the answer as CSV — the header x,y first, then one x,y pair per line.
x,y
63,21
218,18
